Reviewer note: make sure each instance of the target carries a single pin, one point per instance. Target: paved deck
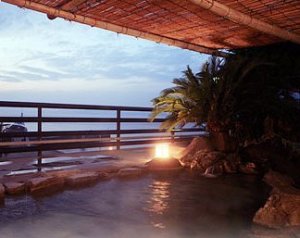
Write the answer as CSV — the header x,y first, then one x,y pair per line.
x,y
21,166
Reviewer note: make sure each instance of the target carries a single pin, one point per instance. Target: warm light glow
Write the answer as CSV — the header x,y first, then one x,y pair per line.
x,y
110,148
162,151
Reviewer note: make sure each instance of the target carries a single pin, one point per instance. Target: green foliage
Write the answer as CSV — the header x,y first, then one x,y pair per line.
x,y
189,101
241,94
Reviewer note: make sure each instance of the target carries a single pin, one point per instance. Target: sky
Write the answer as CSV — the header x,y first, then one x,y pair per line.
x,y
67,62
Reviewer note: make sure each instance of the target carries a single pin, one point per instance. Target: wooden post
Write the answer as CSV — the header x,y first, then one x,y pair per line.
x,y
1,125
39,130
118,128
173,136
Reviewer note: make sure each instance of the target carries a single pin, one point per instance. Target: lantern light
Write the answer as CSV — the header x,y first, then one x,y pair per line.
x,y
162,151
163,160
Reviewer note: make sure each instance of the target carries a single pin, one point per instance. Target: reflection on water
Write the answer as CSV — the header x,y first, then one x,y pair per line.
x,y
157,206
160,196
159,201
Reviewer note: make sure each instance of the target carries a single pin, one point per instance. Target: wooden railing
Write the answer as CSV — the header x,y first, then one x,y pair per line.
x,y
41,140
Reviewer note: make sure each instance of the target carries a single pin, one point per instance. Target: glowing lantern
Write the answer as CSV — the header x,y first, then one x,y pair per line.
x,y
162,160
162,151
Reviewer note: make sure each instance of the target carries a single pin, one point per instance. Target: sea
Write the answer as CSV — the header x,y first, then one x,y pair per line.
x,y
67,126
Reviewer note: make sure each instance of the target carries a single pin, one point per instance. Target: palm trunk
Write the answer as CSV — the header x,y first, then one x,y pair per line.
x,y
220,138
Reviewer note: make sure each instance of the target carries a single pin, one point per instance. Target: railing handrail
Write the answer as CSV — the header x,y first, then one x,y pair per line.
x,y
55,141
72,106
77,119
92,132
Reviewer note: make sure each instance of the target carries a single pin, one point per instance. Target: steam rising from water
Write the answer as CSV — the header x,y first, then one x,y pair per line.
x,y
152,206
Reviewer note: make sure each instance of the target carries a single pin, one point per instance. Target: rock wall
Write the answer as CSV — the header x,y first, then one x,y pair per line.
x,y
202,155
272,153
282,209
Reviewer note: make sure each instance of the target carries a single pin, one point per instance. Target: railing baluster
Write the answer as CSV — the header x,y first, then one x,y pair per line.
x,y
173,136
118,128
1,125
39,129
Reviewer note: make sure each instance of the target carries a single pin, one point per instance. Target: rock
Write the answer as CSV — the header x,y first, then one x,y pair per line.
x,y
263,232
2,191
273,154
214,170
248,168
264,152
229,167
231,163
130,172
197,144
64,173
204,159
82,179
223,165
45,185
214,162
283,206
281,209
14,188
278,181
294,217
103,175
166,165
218,168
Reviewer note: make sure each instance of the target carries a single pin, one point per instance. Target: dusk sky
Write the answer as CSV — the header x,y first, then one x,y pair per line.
x,y
62,61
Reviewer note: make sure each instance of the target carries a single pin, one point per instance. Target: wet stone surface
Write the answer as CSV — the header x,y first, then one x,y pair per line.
x,y
14,188
82,179
130,172
45,185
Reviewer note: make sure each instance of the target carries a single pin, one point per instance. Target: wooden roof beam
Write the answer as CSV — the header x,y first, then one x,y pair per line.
x,y
246,20
53,12
67,5
71,5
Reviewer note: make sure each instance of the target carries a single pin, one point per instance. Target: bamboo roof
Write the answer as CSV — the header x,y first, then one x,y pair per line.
x,y
200,25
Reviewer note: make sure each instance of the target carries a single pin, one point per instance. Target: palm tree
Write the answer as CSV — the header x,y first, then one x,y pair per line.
x,y
191,99
236,95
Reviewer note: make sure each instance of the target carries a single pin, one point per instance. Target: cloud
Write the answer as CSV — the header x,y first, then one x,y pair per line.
x,y
9,78
39,55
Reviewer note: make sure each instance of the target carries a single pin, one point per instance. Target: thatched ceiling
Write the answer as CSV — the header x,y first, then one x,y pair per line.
x,y
227,24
